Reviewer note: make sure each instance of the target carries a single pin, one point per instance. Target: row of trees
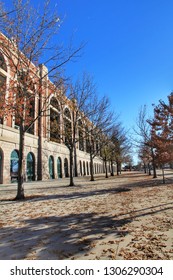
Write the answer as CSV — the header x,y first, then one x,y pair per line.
x,y
31,41
156,136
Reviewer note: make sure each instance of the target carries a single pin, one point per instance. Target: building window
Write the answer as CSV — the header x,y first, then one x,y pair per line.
x,y
55,134
59,167
3,68
30,167
51,167
14,165
81,139
31,116
67,127
66,174
3,63
1,165
87,140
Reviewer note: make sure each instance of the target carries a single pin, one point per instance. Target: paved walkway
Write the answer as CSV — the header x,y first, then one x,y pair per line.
x,y
122,217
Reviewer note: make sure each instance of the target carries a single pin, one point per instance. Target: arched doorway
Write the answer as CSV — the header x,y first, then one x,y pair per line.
x,y
84,171
66,167
1,165
14,165
59,167
30,167
80,163
87,168
51,167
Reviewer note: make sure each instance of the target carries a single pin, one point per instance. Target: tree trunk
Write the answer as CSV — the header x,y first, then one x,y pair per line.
x,y
112,168
21,167
71,168
106,169
154,165
149,169
120,167
91,168
117,168
163,174
75,162
39,156
145,169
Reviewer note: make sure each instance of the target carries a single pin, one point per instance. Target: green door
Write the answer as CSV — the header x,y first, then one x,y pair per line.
x,y
30,167
14,165
1,167
66,168
51,167
59,168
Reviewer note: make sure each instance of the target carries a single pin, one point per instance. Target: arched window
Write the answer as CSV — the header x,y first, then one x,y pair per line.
x,y
59,167
55,134
67,113
1,165
84,170
80,164
81,139
66,168
25,102
97,146
30,167
30,115
51,167
67,127
87,140
14,165
3,63
54,103
87,168
95,166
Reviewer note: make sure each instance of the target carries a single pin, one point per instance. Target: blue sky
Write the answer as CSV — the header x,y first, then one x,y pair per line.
x,y
129,49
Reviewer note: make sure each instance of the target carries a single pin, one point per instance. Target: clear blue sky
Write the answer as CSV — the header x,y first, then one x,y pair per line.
x,y
129,49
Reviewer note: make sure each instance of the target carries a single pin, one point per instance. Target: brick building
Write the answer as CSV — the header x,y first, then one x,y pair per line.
x,y
46,155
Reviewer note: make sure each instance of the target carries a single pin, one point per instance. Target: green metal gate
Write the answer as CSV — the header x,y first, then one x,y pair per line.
x,y
14,165
59,168
1,167
30,167
51,167
66,168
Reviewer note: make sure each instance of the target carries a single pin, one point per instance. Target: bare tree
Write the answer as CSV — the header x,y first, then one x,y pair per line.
x,y
121,145
102,119
30,40
81,94
75,111
144,139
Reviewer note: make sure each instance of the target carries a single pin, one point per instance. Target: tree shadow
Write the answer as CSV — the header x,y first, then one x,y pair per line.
x,y
72,195
148,183
64,237
58,237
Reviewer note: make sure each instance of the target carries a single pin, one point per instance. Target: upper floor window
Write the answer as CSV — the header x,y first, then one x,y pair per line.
x,y
67,127
67,113
3,67
3,63
55,134
81,139
54,103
